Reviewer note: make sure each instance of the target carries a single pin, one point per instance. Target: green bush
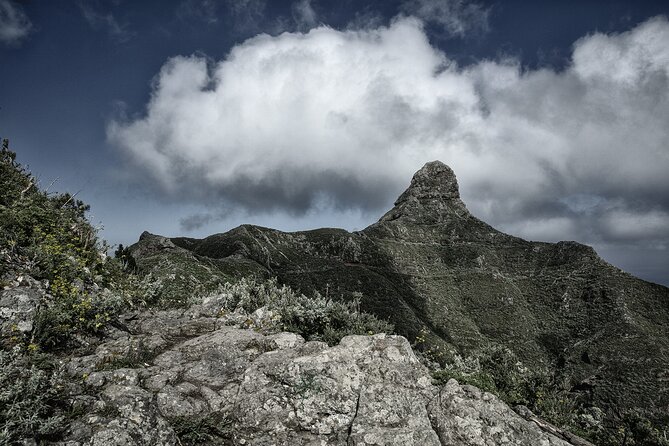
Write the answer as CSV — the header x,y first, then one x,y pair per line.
x,y
314,318
499,372
31,397
48,237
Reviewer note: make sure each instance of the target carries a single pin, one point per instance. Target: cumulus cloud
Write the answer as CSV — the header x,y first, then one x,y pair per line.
x,y
341,119
14,23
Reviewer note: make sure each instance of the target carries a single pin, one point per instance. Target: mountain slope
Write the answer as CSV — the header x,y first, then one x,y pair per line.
x,y
462,288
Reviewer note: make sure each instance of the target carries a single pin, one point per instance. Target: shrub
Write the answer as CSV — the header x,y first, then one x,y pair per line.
x,y
31,395
631,428
48,237
499,372
125,258
314,318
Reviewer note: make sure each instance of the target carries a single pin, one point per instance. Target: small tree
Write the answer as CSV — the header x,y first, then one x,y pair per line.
x,y
127,260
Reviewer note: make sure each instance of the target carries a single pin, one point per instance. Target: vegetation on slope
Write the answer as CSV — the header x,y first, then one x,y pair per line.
x,y
47,237
47,245
498,371
31,397
272,308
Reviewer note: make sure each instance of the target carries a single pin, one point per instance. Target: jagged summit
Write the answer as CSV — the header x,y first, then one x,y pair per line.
x,y
434,179
432,196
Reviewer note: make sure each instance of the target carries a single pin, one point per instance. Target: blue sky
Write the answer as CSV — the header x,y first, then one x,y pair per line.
x,y
190,117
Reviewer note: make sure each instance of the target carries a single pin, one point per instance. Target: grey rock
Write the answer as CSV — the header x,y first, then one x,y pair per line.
x,y
277,389
433,196
465,415
18,307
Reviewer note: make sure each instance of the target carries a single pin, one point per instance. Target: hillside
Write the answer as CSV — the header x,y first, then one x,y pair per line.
x,y
466,293
183,341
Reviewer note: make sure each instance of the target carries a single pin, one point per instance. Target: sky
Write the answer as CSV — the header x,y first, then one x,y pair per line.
x,y
191,117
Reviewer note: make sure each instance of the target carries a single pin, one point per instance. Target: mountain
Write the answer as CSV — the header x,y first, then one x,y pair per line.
x,y
183,341
461,290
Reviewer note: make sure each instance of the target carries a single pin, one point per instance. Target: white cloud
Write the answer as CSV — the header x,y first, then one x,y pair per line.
x,y
343,118
627,58
14,23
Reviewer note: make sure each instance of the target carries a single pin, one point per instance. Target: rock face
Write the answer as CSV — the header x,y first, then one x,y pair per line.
x,y
433,269
185,377
432,197
18,306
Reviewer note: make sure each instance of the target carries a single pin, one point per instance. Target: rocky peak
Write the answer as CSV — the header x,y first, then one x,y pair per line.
x,y
433,196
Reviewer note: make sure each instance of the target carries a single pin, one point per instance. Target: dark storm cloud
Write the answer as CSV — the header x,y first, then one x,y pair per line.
x,y
287,189
196,221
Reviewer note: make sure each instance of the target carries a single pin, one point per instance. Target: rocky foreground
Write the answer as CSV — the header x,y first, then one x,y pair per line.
x,y
189,376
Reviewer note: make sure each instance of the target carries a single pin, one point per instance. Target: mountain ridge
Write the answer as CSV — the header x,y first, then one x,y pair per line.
x,y
437,272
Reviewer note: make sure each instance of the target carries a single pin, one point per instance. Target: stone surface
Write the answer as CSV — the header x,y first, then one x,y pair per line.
x,y
236,386
18,307
432,196
466,415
